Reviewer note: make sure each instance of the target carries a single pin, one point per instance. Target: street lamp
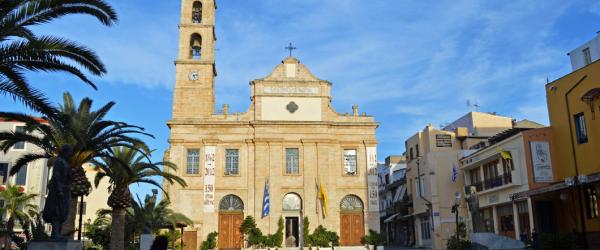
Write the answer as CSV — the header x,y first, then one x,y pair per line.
x,y
455,210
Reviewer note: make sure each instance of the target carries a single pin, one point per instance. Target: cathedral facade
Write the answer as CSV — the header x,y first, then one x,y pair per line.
x,y
315,162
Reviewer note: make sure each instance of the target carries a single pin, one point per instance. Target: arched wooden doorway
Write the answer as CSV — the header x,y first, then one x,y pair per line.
x,y
292,211
352,226
231,215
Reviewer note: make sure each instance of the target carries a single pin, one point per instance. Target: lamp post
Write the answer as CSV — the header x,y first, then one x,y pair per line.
x,y
80,218
455,211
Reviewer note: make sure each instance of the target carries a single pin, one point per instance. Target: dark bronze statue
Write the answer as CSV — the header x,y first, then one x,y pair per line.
x,y
56,209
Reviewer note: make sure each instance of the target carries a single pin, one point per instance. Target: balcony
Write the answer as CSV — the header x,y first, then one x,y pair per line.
x,y
497,181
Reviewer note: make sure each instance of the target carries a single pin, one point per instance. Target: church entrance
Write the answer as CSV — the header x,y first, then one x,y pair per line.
x,y
352,226
292,212
292,231
231,216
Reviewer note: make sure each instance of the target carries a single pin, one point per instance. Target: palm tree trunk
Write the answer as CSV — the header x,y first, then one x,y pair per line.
x,y
68,228
10,224
117,233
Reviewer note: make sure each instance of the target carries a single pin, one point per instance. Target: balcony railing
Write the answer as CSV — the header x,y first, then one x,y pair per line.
x,y
497,181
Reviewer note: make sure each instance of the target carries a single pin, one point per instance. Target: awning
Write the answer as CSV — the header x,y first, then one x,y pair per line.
x,y
391,218
554,187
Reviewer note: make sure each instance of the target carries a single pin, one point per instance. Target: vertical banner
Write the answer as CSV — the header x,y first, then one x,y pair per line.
x,y
209,178
372,179
541,161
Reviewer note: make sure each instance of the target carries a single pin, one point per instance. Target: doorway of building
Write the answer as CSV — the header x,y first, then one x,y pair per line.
x,y
292,212
545,216
292,231
231,215
507,221
352,226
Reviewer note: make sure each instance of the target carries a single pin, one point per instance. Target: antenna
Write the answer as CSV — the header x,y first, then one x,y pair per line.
x,y
474,104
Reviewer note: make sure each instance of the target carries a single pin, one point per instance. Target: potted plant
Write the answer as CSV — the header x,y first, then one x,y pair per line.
x,y
374,239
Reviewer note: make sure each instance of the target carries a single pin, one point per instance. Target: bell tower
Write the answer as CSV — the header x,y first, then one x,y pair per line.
x,y
195,65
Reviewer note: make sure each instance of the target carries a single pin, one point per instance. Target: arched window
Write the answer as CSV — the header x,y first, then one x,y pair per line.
x,y
292,202
196,47
231,203
351,203
197,12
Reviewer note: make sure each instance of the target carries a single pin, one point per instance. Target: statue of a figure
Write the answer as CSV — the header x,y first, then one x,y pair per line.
x,y
57,205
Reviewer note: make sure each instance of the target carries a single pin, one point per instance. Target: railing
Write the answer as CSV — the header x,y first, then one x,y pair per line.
x,y
497,181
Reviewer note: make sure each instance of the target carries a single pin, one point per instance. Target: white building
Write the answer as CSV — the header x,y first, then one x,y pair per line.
x,y
586,53
33,177
495,173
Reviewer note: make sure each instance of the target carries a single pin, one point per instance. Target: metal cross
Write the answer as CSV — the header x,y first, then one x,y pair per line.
x,y
290,48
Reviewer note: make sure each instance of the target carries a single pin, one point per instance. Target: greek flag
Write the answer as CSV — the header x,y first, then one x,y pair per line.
x,y
266,200
454,173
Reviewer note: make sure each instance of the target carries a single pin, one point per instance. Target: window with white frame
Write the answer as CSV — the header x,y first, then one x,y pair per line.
x,y
19,145
425,228
350,167
587,56
193,161
231,162
292,156
3,172
21,178
420,186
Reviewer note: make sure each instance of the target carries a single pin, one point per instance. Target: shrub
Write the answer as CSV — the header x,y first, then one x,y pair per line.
x,y
459,243
210,242
374,238
322,237
306,233
255,237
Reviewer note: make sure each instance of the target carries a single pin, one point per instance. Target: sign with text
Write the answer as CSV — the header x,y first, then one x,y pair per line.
x,y
443,141
541,161
372,179
209,178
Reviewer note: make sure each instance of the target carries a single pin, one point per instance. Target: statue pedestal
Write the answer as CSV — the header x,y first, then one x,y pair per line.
x,y
55,245
146,241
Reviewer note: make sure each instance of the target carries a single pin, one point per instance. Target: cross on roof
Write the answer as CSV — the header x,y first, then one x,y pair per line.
x,y
290,47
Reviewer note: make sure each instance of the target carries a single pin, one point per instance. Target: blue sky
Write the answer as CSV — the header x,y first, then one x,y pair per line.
x,y
408,63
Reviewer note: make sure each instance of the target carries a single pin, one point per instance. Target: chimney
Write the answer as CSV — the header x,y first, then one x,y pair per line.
x,y
355,110
225,109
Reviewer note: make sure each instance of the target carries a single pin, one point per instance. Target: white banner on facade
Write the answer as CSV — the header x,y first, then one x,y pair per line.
x,y
541,161
209,178
372,179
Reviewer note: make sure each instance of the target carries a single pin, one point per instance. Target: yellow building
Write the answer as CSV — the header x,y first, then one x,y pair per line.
x,y
290,139
96,200
574,110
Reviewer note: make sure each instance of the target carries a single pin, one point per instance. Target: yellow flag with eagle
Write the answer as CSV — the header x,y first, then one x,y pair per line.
x,y
323,197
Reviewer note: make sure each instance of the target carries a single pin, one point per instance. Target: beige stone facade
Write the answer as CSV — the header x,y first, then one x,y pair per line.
x,y
290,135
431,155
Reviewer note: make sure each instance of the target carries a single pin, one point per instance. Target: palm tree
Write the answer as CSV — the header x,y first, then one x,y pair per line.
x,y
124,167
154,215
21,49
85,130
147,216
18,207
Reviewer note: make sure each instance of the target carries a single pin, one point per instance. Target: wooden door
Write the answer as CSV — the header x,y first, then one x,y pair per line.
x,y
352,229
230,236
190,239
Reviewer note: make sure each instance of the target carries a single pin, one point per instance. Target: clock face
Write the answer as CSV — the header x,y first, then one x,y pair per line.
x,y
194,75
